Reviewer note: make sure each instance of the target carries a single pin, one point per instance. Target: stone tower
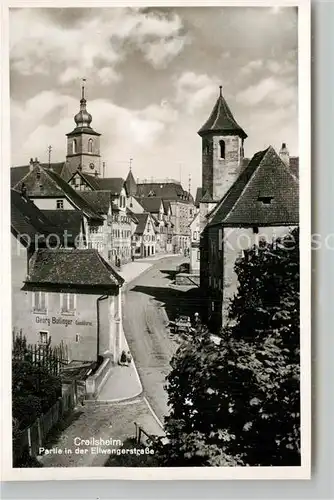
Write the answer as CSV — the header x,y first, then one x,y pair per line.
x,y
222,152
83,143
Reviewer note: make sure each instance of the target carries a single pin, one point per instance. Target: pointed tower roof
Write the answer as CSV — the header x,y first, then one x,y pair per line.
x,y
221,120
130,184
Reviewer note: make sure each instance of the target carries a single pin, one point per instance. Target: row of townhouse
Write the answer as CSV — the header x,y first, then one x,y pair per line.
x,y
62,294
111,207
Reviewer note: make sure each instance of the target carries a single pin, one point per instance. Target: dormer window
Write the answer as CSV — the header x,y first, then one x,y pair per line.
x,y
90,146
222,149
266,200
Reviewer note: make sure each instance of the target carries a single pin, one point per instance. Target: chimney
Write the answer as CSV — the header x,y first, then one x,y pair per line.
x,y
284,154
31,164
35,162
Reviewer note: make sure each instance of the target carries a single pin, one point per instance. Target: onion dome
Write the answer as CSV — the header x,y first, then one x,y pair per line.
x,y
83,118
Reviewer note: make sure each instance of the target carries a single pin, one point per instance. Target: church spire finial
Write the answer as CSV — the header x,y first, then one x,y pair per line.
x,y
83,89
220,90
83,118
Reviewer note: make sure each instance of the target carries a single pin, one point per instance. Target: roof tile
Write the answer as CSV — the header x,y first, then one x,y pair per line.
x,y
266,176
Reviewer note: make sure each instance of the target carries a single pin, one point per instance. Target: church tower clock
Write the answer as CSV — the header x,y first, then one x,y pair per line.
x,y
83,143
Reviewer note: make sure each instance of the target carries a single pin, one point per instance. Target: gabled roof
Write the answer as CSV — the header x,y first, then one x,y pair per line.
x,y
66,220
131,185
265,177
207,198
170,191
74,267
45,183
28,221
142,220
199,194
294,165
112,184
132,215
150,204
221,120
196,216
99,200
17,173
88,179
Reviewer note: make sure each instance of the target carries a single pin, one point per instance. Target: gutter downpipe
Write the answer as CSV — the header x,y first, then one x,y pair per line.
x,y
103,297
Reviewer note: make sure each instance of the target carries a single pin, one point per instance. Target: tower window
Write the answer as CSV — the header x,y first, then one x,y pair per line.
x,y
74,146
222,149
207,149
90,146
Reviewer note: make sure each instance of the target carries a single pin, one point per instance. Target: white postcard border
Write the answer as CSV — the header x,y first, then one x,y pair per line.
x,y
230,473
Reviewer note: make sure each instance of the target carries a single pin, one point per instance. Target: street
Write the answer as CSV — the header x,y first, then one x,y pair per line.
x,y
148,304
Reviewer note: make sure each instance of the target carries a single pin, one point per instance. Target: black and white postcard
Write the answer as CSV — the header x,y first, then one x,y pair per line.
x,y
156,185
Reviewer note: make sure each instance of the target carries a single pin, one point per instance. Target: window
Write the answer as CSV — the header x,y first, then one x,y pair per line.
x,y
44,338
222,149
255,230
266,200
67,303
93,229
39,302
60,204
198,255
74,146
207,149
77,337
122,201
90,146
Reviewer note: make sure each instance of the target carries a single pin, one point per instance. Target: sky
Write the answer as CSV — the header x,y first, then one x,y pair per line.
x,y
152,79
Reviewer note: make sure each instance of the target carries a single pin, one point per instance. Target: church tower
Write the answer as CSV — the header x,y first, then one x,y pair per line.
x,y
83,143
222,152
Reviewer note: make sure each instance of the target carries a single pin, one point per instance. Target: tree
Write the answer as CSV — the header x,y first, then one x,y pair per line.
x,y
238,404
34,388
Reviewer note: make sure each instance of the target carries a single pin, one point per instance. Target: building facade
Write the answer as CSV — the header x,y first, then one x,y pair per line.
x,y
263,204
195,254
182,209
145,236
64,296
